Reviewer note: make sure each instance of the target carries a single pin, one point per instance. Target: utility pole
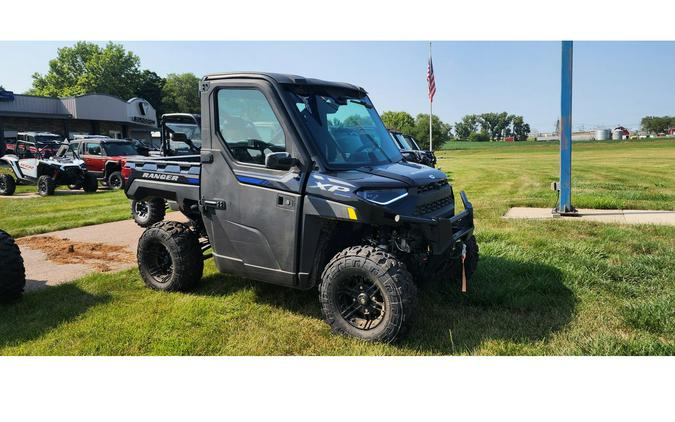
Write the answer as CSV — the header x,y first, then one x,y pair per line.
x,y
565,203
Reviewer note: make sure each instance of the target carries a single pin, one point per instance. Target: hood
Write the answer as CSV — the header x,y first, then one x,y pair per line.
x,y
412,174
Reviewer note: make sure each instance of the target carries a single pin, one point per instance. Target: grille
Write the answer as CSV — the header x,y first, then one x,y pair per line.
x,y
433,206
432,186
72,172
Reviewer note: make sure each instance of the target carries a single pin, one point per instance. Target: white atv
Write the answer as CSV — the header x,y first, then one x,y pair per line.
x,y
41,165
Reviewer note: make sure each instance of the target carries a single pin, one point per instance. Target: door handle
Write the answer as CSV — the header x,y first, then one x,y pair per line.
x,y
218,204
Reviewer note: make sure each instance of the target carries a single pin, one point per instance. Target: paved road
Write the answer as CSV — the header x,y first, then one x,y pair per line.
x,y
41,272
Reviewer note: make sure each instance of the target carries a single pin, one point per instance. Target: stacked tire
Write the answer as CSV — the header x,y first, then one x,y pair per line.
x,y
12,271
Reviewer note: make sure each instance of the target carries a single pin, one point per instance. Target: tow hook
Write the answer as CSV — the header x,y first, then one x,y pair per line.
x,y
463,269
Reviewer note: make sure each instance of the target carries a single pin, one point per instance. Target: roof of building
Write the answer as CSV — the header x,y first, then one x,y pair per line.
x,y
103,107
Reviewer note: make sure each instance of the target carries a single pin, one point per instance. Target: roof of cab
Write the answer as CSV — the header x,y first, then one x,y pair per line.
x,y
291,80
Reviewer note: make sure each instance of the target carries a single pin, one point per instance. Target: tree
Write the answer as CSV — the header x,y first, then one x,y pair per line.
x,y
521,130
656,124
440,131
181,94
150,87
399,120
87,68
467,126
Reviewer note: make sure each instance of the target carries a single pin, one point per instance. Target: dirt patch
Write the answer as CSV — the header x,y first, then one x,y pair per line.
x,y
101,256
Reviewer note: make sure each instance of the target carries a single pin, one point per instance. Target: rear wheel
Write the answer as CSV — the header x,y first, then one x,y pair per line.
x,y
169,257
147,213
90,184
7,185
12,272
46,185
367,293
115,180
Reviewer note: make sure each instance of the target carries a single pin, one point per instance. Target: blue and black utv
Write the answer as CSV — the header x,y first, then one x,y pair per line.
x,y
298,183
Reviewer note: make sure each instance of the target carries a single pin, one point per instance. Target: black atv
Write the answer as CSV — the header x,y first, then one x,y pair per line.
x,y
298,183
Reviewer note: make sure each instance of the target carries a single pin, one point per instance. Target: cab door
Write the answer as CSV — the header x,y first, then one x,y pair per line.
x,y
93,158
251,212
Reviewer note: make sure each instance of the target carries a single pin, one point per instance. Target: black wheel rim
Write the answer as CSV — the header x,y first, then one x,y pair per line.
x,y
141,209
360,302
159,262
115,182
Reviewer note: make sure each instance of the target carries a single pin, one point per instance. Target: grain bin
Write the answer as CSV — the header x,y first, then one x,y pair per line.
x,y
617,135
602,134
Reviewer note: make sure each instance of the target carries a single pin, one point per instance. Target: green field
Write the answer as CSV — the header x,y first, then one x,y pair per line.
x,y
542,287
26,216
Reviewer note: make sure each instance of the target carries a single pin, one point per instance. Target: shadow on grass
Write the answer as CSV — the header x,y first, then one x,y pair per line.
x,y
39,312
521,302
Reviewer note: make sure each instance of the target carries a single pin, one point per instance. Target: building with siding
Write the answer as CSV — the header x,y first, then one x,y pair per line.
x,y
90,114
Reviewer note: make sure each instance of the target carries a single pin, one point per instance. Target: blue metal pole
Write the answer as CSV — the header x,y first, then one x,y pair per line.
x,y
565,204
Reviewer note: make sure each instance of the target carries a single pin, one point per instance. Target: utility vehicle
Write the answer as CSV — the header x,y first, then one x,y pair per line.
x,y
31,165
44,142
12,271
411,151
105,157
180,135
299,184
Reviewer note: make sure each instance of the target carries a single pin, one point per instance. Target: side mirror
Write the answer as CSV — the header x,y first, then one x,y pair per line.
x,y
280,161
178,137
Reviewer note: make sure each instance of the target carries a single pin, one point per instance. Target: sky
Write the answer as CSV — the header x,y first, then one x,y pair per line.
x,y
615,83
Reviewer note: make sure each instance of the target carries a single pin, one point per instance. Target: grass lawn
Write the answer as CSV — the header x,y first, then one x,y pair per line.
x,y
542,287
26,216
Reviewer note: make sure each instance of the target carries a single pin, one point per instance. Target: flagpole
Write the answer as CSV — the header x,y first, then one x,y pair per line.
x,y
431,111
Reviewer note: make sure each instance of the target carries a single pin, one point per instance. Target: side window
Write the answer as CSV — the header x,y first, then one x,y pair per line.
x,y
248,125
93,149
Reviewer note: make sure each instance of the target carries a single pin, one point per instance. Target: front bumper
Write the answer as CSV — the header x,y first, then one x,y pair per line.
x,y
444,233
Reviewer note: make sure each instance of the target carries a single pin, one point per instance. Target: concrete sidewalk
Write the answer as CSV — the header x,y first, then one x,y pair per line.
x,y
602,216
117,241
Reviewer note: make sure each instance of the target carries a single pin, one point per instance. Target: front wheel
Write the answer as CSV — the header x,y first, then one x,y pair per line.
x,y
169,257
12,271
367,293
7,185
46,185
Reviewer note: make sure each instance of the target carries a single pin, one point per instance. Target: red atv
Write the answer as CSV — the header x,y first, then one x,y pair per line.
x,y
106,157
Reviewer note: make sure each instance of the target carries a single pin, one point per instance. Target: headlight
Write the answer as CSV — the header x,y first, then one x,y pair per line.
x,y
382,196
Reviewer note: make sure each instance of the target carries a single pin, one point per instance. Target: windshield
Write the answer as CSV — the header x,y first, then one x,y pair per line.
x,y
412,142
191,131
120,148
403,141
44,140
347,131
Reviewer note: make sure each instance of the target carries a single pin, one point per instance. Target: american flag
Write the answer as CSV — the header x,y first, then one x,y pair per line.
x,y
431,80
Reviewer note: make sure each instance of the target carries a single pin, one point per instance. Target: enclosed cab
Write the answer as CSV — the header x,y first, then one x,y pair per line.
x,y
411,151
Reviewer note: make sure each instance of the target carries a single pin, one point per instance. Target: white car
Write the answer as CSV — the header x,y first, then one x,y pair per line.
x,y
35,165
